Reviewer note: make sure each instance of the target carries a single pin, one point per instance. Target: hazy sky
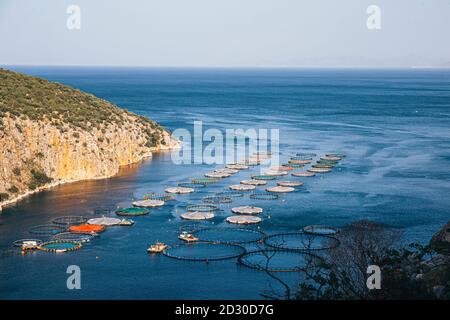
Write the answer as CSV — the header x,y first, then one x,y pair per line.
x,y
226,33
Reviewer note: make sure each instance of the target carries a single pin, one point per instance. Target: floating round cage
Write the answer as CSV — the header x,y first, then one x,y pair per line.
x,y
275,173
69,220
59,246
197,215
47,229
299,161
132,212
229,235
227,171
290,183
264,196
148,203
105,221
301,241
243,219
204,251
217,199
217,175
102,211
328,162
191,185
87,228
242,187
302,158
264,177
319,170
247,210
205,180
286,167
230,193
75,237
179,190
272,260
322,165
159,196
237,166
280,189
337,155
294,165
321,230
254,182
303,174
333,158
202,207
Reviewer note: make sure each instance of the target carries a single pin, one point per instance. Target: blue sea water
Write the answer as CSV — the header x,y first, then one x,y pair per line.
x,y
393,125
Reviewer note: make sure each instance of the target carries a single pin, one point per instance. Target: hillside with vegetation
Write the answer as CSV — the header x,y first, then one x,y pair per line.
x,y
51,133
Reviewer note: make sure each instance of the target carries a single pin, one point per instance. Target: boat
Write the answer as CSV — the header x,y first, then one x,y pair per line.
x,y
29,245
126,222
157,247
187,237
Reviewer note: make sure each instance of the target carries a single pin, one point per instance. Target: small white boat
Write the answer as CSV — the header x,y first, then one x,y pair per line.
x,y
157,247
187,237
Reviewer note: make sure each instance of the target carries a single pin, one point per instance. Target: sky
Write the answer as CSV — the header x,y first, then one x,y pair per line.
x,y
226,33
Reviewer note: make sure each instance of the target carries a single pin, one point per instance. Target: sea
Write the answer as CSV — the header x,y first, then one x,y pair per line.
x,y
392,125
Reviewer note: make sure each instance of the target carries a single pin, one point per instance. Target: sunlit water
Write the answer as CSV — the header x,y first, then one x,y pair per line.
x,y
393,126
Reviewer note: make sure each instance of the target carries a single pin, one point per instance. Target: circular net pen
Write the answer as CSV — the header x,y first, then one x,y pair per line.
x,y
264,177
204,251
299,161
236,166
264,196
242,187
226,170
217,199
321,230
179,190
230,193
205,180
272,260
303,174
132,212
196,215
69,220
217,175
57,246
202,207
294,165
290,183
323,165
328,162
254,182
319,170
191,185
304,157
243,219
247,210
280,189
20,243
159,196
229,235
148,203
47,229
105,221
74,237
300,241
333,158
336,154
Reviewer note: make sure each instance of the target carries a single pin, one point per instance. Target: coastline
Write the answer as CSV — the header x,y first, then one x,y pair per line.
x,y
22,196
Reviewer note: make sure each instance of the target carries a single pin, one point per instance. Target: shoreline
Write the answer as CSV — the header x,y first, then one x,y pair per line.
x,y
61,182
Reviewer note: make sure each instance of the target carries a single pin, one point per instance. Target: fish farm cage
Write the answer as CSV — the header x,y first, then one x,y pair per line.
x,y
273,260
57,246
300,241
204,251
69,220
47,229
217,199
21,242
306,154
229,235
264,177
230,193
202,207
87,228
191,185
159,196
321,230
74,237
132,212
264,196
204,180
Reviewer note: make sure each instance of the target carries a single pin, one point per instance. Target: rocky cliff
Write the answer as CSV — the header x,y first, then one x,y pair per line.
x,y
51,134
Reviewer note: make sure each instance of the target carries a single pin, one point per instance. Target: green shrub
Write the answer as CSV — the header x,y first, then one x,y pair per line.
x,y
38,178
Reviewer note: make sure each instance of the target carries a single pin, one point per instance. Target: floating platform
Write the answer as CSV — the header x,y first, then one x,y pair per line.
x,y
319,170
254,182
247,210
299,161
275,173
237,166
280,189
242,187
197,215
87,228
217,175
148,203
243,219
105,221
290,183
132,212
179,190
303,174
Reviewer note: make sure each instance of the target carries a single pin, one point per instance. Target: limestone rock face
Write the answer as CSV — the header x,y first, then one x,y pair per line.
x,y
441,240
42,146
